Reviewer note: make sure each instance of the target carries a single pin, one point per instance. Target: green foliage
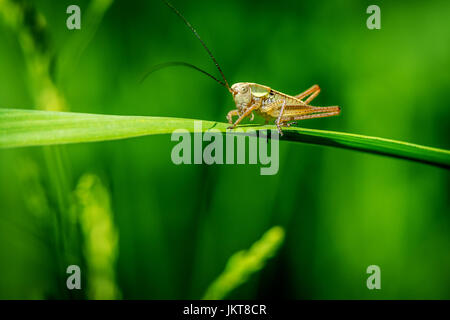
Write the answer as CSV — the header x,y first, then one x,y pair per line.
x,y
31,29
20,128
93,206
172,228
243,264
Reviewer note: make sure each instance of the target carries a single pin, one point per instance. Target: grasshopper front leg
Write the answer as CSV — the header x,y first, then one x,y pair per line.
x,y
231,114
245,114
236,113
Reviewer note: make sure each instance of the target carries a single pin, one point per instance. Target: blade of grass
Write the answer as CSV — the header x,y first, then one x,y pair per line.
x,y
24,128
243,264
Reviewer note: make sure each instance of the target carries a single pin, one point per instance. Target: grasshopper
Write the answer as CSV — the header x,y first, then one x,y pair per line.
x,y
272,104
263,100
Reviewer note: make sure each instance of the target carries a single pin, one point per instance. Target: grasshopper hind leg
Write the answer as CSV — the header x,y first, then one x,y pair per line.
x,y
286,119
311,92
288,124
289,120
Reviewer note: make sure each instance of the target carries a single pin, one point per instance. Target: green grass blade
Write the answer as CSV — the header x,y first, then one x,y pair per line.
x,y
24,128
243,264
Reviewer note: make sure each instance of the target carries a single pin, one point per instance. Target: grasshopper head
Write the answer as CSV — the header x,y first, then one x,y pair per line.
x,y
242,94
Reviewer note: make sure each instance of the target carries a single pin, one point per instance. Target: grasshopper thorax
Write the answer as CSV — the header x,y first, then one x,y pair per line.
x,y
242,95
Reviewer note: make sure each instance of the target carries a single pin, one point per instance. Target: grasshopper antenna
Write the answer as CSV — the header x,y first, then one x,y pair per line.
x,y
177,63
203,44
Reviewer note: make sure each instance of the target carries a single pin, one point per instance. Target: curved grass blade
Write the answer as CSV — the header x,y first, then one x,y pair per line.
x,y
25,128
243,264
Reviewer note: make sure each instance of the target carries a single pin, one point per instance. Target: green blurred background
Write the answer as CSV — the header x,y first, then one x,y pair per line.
x,y
141,227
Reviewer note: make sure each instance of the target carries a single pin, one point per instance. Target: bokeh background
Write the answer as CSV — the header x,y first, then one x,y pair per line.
x,y
141,227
